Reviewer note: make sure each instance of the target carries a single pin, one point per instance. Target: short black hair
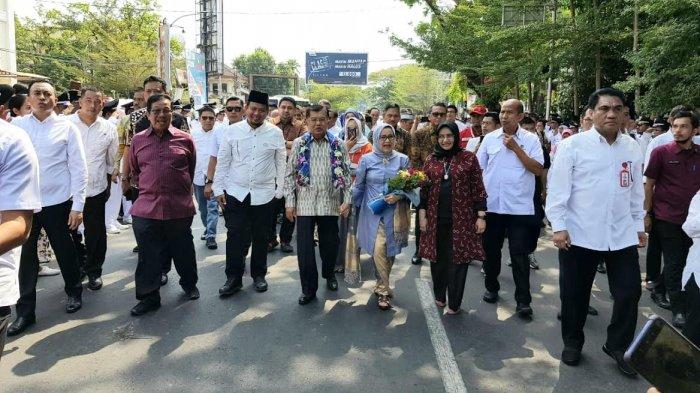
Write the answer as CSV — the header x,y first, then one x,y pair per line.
x,y
452,106
16,102
318,108
442,104
19,88
154,78
156,98
234,98
88,88
289,100
527,120
138,90
494,116
372,108
606,91
692,116
392,106
206,108
39,81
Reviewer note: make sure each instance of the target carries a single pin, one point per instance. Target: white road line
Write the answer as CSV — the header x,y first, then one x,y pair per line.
x,y
451,377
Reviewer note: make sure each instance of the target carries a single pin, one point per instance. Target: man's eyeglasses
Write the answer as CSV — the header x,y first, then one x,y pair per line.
x,y
439,114
234,108
157,112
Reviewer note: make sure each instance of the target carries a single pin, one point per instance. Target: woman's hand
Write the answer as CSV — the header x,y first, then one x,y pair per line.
x,y
422,220
350,143
480,225
391,199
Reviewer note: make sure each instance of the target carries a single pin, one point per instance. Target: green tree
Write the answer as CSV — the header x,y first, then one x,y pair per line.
x,y
341,97
260,61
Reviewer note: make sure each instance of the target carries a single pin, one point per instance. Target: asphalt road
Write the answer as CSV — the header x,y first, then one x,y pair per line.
x,y
266,342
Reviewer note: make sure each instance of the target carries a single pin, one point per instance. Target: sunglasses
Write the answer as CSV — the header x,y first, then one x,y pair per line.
x,y
234,108
207,118
439,114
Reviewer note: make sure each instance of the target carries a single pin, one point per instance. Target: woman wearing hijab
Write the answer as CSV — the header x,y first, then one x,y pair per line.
x,y
378,234
451,237
357,145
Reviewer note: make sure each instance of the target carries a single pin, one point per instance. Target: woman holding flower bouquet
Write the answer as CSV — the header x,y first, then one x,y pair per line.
x,y
451,216
381,233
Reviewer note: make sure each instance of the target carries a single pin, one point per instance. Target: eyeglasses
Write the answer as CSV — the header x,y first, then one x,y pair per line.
x,y
387,138
446,137
234,108
439,114
161,111
207,118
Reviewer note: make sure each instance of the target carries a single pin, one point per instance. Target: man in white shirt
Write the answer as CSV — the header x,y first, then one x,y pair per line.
x,y
510,158
63,180
208,209
249,175
100,141
595,204
489,122
19,199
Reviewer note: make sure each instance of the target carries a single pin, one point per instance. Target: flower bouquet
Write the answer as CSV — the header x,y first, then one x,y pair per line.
x,y
406,183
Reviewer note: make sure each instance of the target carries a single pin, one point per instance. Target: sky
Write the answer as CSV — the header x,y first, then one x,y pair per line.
x,y
289,28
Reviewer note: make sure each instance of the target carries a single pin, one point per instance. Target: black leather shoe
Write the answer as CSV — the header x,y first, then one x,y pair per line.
x,y
661,300
618,357
601,268
678,320
231,286
192,294
524,310
286,248
95,284
416,260
136,249
211,244
490,297
145,306
20,324
163,279
304,299
332,284
272,245
73,304
260,284
203,237
571,356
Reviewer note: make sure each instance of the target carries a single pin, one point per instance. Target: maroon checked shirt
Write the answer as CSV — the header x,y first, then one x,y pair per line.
x,y
163,168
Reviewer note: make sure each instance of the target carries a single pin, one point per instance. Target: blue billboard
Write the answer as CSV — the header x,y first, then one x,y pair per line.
x,y
336,68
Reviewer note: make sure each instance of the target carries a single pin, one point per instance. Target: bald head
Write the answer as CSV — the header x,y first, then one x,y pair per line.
x,y
517,105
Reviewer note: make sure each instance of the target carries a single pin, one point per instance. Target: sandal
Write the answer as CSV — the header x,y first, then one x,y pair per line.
x,y
383,303
440,303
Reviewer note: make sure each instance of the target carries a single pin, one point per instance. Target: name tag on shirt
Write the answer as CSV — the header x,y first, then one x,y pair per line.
x,y
625,175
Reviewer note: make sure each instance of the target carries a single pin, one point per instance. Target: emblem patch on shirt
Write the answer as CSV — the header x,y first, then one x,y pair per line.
x,y
625,175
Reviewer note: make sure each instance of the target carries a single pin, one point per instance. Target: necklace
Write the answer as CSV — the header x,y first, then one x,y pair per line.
x,y
446,167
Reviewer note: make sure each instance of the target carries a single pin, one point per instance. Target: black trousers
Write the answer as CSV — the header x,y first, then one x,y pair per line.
x,y
287,227
158,241
577,268
246,223
54,220
328,242
519,230
5,314
95,233
675,245
653,261
692,322
416,232
447,275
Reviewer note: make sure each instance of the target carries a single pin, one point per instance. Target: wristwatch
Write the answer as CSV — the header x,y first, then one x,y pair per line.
x,y
208,181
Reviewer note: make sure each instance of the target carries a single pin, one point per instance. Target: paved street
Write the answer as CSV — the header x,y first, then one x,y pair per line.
x,y
255,342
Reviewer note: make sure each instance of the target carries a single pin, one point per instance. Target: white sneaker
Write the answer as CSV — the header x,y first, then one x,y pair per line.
x,y
113,230
122,227
127,221
44,270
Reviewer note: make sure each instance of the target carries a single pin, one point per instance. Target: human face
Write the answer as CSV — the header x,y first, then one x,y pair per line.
x,y
139,100
331,121
234,111
24,110
256,113
608,114
510,116
42,98
151,89
286,111
586,122
392,116
352,129
374,113
318,123
161,115
406,124
451,114
529,127
437,115
488,124
643,128
207,120
387,140
220,116
91,104
446,139
298,115
683,130
476,120
539,126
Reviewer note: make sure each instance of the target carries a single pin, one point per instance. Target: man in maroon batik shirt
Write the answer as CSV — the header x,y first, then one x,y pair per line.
x,y
162,165
673,178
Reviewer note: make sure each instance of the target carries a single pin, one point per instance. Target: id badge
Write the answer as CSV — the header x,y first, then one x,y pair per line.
x,y
625,175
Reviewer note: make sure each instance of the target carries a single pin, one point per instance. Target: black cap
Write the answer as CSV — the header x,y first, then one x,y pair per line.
x,y
258,97
212,104
6,92
644,120
555,118
128,105
187,107
111,105
73,95
64,99
177,104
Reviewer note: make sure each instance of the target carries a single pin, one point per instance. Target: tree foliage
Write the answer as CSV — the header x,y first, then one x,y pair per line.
x,y
260,61
108,43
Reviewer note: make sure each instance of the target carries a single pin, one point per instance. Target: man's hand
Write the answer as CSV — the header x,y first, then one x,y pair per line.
x,y
221,200
290,213
344,209
115,176
75,218
562,240
422,220
647,223
391,199
642,236
510,143
208,192
480,226
126,186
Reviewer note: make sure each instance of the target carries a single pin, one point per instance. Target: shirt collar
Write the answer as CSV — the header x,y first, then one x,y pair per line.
x,y
675,149
519,134
53,116
595,134
171,130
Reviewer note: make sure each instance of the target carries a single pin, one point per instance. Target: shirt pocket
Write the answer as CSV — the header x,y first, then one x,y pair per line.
x,y
178,158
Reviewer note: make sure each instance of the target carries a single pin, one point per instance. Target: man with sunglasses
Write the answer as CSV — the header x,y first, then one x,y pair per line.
x,y
234,114
208,208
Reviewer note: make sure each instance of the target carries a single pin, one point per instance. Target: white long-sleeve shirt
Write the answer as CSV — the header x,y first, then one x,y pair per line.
x,y
251,161
692,228
509,185
101,144
203,141
595,191
63,172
